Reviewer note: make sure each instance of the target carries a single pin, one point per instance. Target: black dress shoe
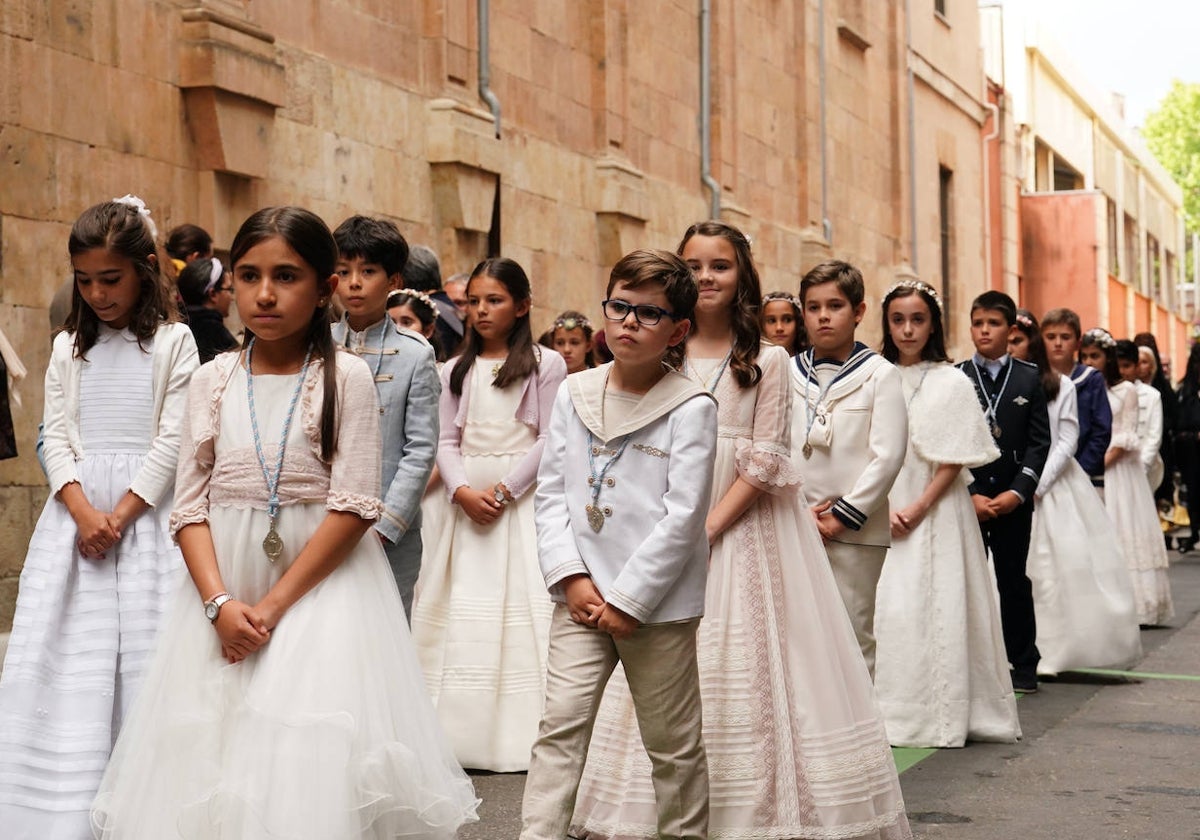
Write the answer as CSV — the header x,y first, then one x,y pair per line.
x,y
1024,683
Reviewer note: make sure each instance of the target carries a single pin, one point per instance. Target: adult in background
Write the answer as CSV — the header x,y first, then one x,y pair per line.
x,y
187,243
423,274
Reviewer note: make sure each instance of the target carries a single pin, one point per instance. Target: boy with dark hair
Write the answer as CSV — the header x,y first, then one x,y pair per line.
x,y
622,497
1061,334
1010,392
372,255
850,426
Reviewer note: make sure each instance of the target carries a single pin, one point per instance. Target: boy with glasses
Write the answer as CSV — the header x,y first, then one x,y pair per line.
x,y
622,496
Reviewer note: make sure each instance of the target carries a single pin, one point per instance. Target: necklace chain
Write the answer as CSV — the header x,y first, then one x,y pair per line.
x,y
596,479
272,545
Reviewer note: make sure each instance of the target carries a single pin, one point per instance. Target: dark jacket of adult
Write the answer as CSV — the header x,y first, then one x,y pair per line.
x,y
208,328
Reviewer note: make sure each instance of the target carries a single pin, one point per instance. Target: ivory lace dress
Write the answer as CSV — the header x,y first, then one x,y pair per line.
x,y
1082,590
941,672
1131,507
84,628
796,746
326,732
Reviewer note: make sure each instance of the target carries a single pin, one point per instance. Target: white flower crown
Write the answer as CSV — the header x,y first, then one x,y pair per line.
x,y
412,293
918,286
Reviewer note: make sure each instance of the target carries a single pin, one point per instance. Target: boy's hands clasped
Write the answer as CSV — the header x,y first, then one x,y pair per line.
x,y
588,608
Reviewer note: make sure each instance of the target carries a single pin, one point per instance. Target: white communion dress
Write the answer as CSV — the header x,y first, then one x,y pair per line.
x,y
481,616
1082,591
941,672
84,628
1130,504
326,732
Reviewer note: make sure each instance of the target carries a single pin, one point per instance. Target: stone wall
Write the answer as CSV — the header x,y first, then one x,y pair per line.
x,y
210,109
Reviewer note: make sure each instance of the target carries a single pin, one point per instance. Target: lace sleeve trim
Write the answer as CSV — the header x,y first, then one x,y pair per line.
x,y
188,516
767,466
365,507
310,409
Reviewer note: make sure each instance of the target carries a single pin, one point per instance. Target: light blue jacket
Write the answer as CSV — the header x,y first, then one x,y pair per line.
x,y
406,379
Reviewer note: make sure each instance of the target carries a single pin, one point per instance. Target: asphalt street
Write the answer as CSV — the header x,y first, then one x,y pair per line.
x,y
1104,755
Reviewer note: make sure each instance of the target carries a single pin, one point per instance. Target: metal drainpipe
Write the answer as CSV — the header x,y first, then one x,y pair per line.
x,y
987,192
706,176
912,138
485,92
826,224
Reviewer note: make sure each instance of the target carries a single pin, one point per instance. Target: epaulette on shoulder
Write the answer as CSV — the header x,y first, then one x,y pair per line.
x,y
1027,364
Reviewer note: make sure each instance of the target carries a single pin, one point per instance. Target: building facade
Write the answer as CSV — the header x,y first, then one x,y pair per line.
x,y
580,131
1100,221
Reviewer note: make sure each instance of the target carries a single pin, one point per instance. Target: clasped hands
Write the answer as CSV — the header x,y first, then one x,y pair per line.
x,y
987,508
481,506
243,629
98,532
587,607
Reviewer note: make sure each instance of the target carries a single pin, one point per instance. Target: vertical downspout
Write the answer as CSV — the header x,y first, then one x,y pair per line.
x,y
912,138
987,192
706,176
826,225
485,60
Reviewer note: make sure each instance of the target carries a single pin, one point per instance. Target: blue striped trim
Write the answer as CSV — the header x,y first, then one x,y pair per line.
x,y
1029,472
849,515
858,356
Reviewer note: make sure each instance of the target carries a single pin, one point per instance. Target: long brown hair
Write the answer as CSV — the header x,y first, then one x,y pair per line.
x,y
1028,326
123,230
747,301
522,360
307,235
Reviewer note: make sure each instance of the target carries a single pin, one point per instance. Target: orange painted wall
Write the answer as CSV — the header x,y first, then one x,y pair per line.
x,y
1058,251
1117,306
1141,316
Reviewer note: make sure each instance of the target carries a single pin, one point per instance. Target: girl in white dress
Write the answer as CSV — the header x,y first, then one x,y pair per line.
x,y
285,698
1150,416
783,322
941,672
796,747
100,562
1082,594
481,618
1127,495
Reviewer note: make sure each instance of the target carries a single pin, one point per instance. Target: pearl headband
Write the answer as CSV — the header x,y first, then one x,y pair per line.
x,y
917,286
410,293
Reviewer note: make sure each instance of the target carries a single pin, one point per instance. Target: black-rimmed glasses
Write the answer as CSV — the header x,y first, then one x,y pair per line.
x,y
647,314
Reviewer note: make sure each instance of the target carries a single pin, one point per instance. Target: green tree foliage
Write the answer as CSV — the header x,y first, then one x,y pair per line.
x,y
1172,132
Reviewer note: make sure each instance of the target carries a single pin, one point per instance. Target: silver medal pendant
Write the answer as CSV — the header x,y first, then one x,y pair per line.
x,y
996,430
807,450
595,517
272,545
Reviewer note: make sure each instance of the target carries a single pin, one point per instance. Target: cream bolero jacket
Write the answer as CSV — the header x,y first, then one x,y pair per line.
x,y
350,483
174,360
650,558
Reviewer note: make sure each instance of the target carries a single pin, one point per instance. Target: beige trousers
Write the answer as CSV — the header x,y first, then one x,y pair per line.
x,y
660,665
856,569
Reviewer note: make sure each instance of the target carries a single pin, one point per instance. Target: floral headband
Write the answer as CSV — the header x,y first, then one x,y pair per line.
x,y
395,294
571,323
1024,320
917,286
1100,336
131,200
788,296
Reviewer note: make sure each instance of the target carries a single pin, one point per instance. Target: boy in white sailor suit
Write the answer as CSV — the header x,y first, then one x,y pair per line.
x,y
850,427
371,257
1010,392
622,496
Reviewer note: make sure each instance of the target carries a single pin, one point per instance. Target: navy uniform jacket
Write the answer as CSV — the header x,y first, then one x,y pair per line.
x,y
1095,421
1024,422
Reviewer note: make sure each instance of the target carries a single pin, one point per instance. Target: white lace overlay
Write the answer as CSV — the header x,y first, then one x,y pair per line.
x,y
765,465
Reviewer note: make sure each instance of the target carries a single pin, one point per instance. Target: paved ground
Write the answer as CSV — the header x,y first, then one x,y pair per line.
x,y
1104,756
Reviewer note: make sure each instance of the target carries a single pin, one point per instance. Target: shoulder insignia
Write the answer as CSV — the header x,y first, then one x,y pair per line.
x,y
1020,401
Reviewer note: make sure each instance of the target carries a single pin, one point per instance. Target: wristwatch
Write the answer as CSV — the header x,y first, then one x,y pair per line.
x,y
212,607
499,494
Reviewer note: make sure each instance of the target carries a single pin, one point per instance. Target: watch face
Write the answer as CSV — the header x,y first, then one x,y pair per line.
x,y
499,495
211,610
